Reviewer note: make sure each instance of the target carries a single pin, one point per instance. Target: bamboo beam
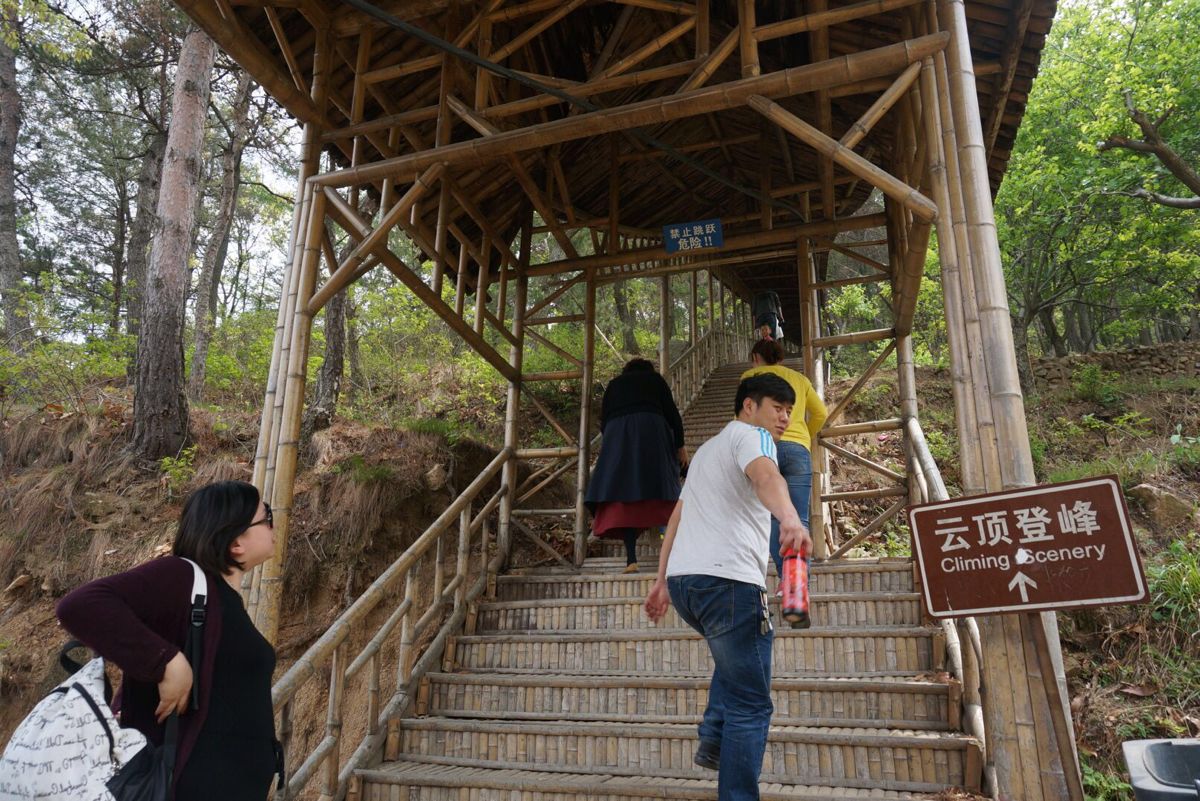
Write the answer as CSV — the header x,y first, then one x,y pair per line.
x,y
711,63
554,423
543,341
747,44
823,19
867,427
761,239
649,49
912,199
879,522
354,225
1010,60
528,33
367,245
867,494
797,80
865,462
857,279
863,125
837,410
854,338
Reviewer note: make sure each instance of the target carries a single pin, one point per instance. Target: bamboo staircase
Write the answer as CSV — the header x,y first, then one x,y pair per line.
x,y
562,690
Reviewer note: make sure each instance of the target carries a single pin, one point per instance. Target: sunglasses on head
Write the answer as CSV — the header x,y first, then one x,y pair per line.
x,y
267,518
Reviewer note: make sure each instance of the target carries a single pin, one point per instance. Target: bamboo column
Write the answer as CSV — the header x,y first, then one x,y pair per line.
x,y
268,432
693,323
585,420
664,324
712,307
1025,761
516,357
806,277
270,586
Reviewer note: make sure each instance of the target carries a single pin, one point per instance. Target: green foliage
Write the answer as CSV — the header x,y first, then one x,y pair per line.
x,y
1175,591
1132,469
360,472
178,470
60,371
1096,385
1098,786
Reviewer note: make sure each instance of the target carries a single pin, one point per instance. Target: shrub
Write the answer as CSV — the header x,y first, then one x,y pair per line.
x,y
1096,385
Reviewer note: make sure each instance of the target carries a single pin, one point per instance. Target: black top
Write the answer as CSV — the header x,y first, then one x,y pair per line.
x,y
641,391
234,757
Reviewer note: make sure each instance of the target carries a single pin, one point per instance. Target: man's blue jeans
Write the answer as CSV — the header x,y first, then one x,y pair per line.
x,y
731,614
795,463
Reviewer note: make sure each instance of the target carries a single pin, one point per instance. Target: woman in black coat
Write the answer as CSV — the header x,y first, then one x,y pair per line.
x,y
635,483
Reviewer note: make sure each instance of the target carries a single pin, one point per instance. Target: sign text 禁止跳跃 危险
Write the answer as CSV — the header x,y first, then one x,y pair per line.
x,y
1053,547
689,236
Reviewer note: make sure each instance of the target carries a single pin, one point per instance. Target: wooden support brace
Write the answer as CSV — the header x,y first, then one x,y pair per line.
x,y
540,543
912,199
353,224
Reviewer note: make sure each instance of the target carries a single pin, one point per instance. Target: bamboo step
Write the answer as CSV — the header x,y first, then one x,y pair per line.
x,y
568,614
919,761
860,651
901,702
601,577
419,781
616,585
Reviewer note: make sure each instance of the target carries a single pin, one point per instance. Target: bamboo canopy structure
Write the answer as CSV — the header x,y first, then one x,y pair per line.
x,y
808,129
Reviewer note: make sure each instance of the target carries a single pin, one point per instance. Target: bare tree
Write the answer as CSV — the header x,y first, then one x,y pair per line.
x,y
16,327
1153,143
141,230
239,130
160,411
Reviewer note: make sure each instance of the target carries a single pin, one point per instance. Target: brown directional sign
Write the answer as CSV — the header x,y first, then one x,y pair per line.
x,y
1057,546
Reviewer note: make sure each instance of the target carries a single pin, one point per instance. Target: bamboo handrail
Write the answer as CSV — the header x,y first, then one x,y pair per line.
x,y
331,648
967,670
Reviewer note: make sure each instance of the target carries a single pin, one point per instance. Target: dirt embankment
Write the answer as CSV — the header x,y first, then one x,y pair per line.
x,y
75,506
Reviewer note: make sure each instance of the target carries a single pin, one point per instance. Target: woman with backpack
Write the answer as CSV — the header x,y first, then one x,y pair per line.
x,y
139,620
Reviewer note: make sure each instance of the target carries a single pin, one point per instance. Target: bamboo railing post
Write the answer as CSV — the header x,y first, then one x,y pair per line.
x,y
333,721
585,420
460,560
512,408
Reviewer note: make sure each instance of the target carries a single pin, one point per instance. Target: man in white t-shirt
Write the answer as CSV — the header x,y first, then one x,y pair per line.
x,y
713,567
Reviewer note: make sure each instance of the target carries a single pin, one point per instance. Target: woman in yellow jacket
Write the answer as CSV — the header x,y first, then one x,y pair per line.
x,y
795,460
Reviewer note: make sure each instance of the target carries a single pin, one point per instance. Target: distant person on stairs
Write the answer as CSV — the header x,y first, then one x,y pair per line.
x,y
768,315
716,577
795,448
635,483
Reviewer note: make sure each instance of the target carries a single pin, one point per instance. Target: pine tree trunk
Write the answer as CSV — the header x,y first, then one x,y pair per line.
x,y
1194,328
218,244
323,403
322,406
140,231
16,324
118,256
621,302
358,377
160,411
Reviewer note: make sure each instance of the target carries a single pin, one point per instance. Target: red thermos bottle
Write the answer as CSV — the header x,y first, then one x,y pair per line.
x,y
794,584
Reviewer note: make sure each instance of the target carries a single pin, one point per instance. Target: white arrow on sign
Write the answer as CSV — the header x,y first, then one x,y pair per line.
x,y
1022,581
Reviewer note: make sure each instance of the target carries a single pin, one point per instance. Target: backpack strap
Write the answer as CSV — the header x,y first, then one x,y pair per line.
x,y
193,648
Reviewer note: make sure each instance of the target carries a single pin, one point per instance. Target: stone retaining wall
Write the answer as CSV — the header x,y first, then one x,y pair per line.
x,y
1175,358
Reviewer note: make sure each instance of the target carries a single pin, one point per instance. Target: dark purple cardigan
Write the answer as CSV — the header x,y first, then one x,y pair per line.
x,y
138,620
